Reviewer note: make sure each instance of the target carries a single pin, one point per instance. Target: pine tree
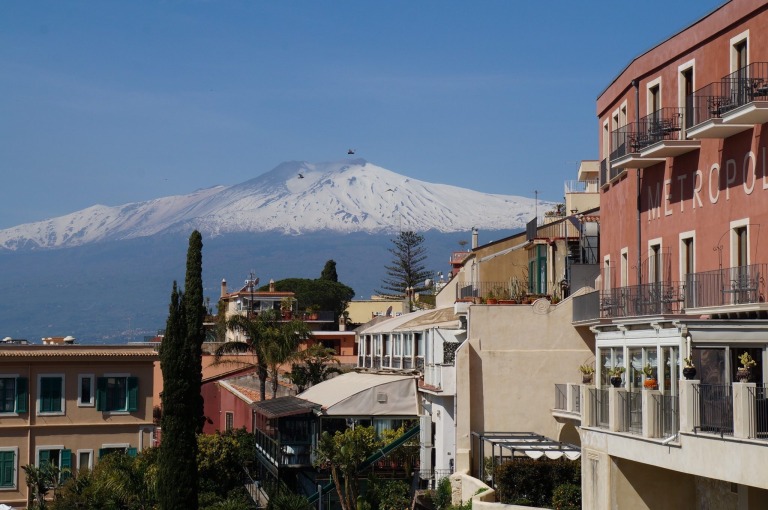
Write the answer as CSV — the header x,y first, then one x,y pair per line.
x,y
181,365
329,271
407,269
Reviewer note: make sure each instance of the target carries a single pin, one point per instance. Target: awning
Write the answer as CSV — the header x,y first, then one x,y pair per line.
x,y
283,406
366,394
390,324
508,445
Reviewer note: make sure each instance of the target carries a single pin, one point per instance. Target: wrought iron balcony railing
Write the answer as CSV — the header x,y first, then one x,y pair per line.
x,y
660,298
716,99
726,287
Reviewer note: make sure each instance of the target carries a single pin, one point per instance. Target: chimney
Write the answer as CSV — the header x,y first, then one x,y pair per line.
x,y
271,285
342,323
474,237
223,287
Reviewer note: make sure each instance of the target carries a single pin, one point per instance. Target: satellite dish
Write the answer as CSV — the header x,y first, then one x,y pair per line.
x,y
428,283
389,311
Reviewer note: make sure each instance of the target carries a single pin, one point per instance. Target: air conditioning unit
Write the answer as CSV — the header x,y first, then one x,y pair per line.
x,y
381,398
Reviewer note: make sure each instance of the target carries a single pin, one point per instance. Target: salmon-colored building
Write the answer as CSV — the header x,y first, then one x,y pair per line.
x,y
684,195
70,405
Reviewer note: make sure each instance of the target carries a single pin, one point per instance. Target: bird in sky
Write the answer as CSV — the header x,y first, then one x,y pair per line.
x,y
301,176
350,151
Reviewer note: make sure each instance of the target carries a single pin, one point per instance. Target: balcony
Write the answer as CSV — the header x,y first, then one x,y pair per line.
x,y
732,105
650,140
567,401
728,290
660,298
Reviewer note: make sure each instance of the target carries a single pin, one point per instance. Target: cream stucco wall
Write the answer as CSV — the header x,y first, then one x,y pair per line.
x,y
507,369
362,311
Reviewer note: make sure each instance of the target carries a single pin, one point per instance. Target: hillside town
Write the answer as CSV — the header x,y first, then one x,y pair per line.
x,y
608,356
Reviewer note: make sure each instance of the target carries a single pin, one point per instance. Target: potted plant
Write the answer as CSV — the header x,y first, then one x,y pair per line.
x,y
745,370
491,299
286,308
650,381
587,372
313,312
689,369
615,374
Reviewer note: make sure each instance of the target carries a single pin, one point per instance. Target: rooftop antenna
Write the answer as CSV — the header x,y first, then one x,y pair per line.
x,y
536,207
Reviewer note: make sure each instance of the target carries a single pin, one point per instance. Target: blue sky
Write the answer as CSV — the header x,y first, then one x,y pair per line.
x,y
107,102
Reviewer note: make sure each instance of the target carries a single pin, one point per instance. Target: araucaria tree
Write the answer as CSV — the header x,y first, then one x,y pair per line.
x,y
407,269
181,365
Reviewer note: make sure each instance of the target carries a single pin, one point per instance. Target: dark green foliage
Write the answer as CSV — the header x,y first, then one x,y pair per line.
x,y
318,363
320,293
221,459
181,365
566,497
387,494
286,500
329,271
532,482
442,497
407,268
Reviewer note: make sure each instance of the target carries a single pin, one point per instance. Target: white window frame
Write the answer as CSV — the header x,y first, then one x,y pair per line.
x,y
15,450
607,274
691,64
229,416
38,400
651,84
80,378
733,241
691,234
115,446
624,275
651,243
16,388
606,142
89,451
40,448
734,56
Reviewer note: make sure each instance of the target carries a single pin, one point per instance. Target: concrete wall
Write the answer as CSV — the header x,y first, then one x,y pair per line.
x,y
361,311
507,369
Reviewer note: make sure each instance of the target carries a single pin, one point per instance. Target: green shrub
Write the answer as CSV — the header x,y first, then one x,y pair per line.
x,y
534,481
566,497
443,494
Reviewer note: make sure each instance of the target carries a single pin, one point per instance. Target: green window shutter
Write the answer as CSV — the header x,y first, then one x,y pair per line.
x,y
131,452
101,395
102,452
133,394
7,464
45,457
50,394
21,394
66,465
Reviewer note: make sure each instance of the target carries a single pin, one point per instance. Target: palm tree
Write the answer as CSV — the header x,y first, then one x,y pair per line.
x,y
317,364
270,339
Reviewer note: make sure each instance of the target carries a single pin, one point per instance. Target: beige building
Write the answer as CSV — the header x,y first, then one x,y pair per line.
x,y
363,310
71,405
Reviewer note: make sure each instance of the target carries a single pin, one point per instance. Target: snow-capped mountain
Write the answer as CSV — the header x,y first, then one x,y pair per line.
x,y
294,198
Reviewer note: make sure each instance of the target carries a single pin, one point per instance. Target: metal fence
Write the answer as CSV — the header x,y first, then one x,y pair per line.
x,y
576,398
647,299
726,286
667,414
758,412
586,307
561,397
631,403
599,407
713,408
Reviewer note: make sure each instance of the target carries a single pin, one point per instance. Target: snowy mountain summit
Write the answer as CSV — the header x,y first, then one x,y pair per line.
x,y
294,198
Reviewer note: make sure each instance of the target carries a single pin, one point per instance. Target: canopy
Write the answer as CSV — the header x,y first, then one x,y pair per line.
x,y
366,394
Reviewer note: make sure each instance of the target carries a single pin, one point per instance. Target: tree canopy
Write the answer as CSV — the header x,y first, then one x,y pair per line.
x,y
407,269
320,293
329,271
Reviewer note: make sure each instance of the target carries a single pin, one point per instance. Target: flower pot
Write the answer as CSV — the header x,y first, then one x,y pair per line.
x,y
491,301
586,378
650,384
616,381
689,373
742,374
507,301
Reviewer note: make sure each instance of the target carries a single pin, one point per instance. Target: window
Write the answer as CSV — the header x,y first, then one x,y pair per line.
x,y
8,469
84,459
741,246
654,264
50,394
57,456
85,390
13,394
118,393
624,267
110,449
686,91
686,257
229,420
408,345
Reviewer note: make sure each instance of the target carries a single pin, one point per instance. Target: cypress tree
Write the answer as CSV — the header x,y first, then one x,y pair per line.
x,y
181,365
329,271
